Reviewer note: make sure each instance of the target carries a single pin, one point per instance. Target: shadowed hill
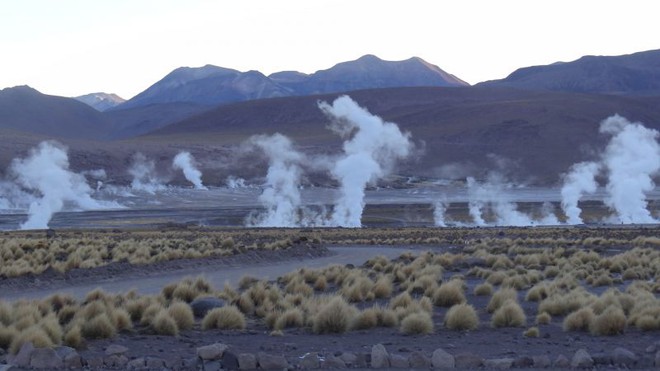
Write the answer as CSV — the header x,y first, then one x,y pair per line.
x,y
633,74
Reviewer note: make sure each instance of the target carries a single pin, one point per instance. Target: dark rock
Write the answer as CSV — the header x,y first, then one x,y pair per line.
x,y
363,360
333,362
310,361
154,363
561,362
229,360
602,359
442,359
399,361
657,359
468,360
419,360
116,361
271,362
94,363
136,364
523,362
623,356
211,352
113,349
22,358
499,363
542,361
212,366
247,361
201,306
349,358
45,358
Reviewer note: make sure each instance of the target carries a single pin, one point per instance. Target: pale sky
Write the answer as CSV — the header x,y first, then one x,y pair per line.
x,y
75,47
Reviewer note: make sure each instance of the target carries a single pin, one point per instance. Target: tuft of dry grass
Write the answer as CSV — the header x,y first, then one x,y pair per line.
x,y
449,293
611,322
73,337
500,297
417,323
164,324
34,334
383,287
461,317
99,327
225,318
509,314
532,332
337,316
580,320
543,318
292,317
7,335
484,289
182,314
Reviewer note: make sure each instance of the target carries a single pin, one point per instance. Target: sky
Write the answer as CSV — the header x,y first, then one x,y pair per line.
x,y
75,47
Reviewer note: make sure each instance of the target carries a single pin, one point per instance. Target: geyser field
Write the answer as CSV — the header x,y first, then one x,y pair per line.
x,y
371,268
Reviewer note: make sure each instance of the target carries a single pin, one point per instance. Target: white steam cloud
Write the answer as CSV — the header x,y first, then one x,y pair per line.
x,y
281,195
46,172
580,180
144,175
370,151
632,158
185,162
439,210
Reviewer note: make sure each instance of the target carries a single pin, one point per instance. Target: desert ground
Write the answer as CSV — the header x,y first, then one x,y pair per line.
x,y
488,297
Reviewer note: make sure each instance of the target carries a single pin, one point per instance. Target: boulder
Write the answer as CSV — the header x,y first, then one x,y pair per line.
x,y
468,361
45,358
441,359
212,366
625,357
22,358
379,357
499,363
201,306
154,363
349,358
70,357
229,360
561,362
136,364
271,362
419,360
247,361
542,361
310,361
582,359
116,361
657,359
113,349
333,363
399,361
211,352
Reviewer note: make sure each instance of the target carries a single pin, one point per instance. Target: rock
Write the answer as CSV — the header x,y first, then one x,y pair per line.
x,y
6,367
468,361
379,357
349,358
419,360
602,359
271,362
582,359
154,363
542,361
442,359
113,349
310,361
45,358
561,362
211,352
70,357
399,361
94,363
229,360
499,363
623,356
363,360
22,358
523,362
201,306
247,361
116,361
333,362
212,366
136,364
657,359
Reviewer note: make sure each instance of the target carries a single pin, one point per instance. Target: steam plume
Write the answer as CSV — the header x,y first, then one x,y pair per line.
x,y
185,162
144,175
439,209
632,158
281,197
581,179
371,149
46,172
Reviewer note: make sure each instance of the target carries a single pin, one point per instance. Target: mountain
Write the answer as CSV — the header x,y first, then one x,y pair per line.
x,y
140,120
212,85
208,85
539,133
633,74
101,101
24,109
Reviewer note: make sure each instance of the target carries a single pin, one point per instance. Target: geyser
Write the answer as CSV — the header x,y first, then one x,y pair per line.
x,y
46,172
185,162
371,149
144,174
580,179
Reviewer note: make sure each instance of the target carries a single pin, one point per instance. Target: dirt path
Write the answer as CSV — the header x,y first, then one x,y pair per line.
x,y
152,282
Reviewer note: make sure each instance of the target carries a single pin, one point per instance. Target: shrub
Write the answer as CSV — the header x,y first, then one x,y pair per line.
x,y
7,334
321,283
5,314
500,297
484,289
52,328
225,318
448,294
383,287
509,314
532,332
73,337
611,322
164,324
336,316
461,317
34,334
121,319
543,318
366,319
401,301
290,318
537,293
182,314
99,327
185,293
150,312
417,323
580,320
66,314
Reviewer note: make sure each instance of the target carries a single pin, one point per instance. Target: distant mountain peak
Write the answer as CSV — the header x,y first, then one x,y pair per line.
x,y
101,101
